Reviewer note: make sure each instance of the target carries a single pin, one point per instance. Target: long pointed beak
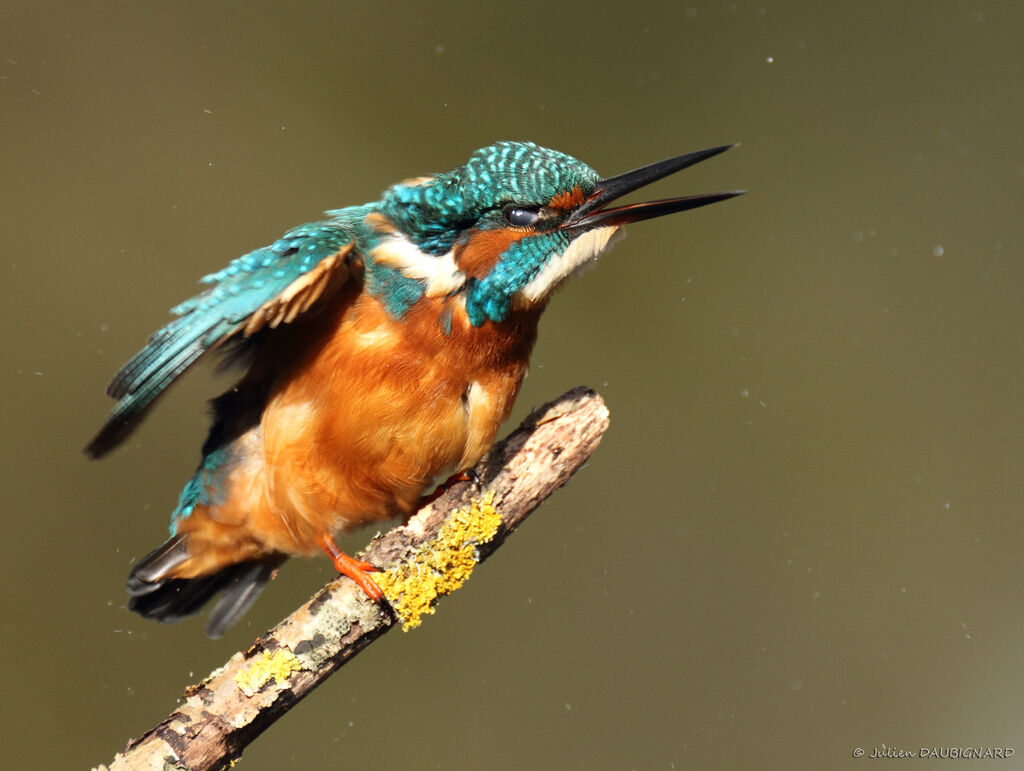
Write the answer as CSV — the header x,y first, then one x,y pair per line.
x,y
590,213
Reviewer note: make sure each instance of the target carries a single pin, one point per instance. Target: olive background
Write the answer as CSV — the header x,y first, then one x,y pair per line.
x,y
800,535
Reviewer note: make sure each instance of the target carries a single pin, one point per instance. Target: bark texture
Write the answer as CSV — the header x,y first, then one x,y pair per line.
x,y
428,557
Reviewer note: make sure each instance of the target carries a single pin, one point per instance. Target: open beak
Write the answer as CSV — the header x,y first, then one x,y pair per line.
x,y
589,214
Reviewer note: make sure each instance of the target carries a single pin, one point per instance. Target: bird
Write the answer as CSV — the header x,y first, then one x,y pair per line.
x,y
381,348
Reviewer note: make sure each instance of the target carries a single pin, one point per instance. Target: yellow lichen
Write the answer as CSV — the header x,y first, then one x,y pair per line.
x,y
277,665
442,565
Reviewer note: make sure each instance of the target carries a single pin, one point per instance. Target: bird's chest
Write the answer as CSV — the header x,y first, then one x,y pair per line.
x,y
388,407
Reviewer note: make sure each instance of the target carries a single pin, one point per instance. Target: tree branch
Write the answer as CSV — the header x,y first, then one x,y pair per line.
x,y
431,555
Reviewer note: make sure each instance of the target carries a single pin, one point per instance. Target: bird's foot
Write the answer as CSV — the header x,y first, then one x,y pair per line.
x,y
469,475
353,568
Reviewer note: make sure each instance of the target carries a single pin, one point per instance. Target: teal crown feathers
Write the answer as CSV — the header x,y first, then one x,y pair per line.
x,y
436,212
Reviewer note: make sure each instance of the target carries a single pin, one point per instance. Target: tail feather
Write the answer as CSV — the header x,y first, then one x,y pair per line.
x,y
241,591
156,596
151,569
175,599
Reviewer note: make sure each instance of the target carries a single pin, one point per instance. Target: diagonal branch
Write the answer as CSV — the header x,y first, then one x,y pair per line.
x,y
432,555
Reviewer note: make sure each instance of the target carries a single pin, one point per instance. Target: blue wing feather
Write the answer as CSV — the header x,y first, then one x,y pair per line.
x,y
207,320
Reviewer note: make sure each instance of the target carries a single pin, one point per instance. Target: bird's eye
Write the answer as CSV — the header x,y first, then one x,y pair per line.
x,y
521,218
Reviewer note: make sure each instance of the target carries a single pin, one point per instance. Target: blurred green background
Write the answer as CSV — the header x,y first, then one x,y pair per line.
x,y
801,534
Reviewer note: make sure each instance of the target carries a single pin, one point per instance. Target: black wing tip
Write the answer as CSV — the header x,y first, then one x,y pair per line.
x,y
120,424
107,438
127,415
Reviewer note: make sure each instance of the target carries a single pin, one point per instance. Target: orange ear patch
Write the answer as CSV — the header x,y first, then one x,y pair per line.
x,y
569,199
479,253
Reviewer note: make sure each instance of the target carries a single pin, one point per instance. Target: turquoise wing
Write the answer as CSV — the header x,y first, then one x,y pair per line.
x,y
262,289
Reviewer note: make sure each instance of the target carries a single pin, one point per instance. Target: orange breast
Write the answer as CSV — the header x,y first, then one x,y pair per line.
x,y
373,416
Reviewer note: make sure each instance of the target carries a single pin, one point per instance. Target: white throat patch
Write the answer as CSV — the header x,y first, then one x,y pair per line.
x,y
581,250
440,273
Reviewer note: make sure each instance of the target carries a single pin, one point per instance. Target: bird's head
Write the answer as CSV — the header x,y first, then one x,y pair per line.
x,y
513,223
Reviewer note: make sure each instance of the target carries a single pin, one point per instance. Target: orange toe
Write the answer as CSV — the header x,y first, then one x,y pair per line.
x,y
441,489
353,568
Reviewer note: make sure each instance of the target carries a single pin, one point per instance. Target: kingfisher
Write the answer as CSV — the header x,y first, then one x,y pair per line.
x,y
382,347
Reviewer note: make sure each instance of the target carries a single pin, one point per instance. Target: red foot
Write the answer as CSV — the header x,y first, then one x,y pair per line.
x,y
352,568
454,479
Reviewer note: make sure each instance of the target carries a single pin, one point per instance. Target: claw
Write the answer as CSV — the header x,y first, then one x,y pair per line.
x,y
469,475
353,568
